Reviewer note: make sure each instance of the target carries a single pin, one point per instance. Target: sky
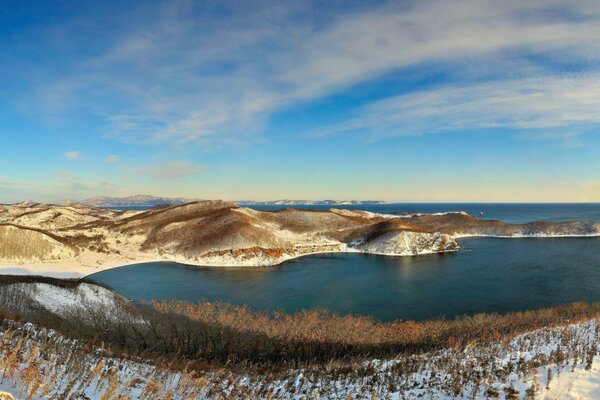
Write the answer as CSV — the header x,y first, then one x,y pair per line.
x,y
407,101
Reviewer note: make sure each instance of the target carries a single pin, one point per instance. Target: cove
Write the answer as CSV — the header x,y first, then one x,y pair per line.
x,y
486,275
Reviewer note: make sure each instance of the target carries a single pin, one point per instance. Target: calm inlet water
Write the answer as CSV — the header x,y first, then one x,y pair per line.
x,y
515,213
491,275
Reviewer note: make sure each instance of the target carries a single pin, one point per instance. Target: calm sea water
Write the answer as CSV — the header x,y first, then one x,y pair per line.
x,y
507,212
487,275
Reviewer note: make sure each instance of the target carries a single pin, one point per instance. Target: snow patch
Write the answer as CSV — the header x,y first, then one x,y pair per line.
x,y
62,301
405,243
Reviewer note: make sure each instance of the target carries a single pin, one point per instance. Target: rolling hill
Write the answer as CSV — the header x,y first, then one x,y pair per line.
x,y
221,233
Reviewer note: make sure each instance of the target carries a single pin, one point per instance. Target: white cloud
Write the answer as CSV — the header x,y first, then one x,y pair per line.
x,y
74,185
359,47
172,170
179,75
111,158
67,186
559,108
566,139
72,155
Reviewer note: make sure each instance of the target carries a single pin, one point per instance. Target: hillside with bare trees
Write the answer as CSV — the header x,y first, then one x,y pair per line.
x,y
64,339
221,233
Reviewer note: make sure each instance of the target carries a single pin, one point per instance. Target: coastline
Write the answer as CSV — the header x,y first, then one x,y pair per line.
x,y
69,242
73,269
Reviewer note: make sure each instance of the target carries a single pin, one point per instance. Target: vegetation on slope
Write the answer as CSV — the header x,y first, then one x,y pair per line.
x,y
223,333
206,233
222,233
235,352
17,243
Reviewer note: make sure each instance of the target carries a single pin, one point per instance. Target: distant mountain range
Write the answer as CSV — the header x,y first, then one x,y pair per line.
x,y
141,200
138,200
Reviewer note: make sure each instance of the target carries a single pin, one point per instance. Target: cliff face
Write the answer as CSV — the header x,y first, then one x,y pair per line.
x,y
222,233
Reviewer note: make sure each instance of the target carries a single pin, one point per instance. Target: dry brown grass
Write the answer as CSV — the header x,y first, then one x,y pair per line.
x,y
37,363
226,332
307,221
219,333
195,229
221,338
16,243
455,222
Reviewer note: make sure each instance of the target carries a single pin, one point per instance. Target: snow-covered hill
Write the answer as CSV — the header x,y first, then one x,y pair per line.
x,y
50,239
36,363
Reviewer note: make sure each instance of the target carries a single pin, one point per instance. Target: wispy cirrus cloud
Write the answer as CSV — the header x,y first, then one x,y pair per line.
x,y
547,108
172,170
111,158
358,47
179,75
565,139
65,186
72,155
74,186
6,183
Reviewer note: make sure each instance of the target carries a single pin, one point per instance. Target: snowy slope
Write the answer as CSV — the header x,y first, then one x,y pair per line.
x,y
60,300
497,367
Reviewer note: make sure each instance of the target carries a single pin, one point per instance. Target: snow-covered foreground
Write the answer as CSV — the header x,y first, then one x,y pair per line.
x,y
42,364
84,300
37,363
60,300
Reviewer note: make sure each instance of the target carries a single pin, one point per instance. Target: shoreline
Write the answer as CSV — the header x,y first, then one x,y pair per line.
x,y
82,242
71,269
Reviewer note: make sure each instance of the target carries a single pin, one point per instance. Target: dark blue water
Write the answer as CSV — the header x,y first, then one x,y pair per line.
x,y
507,212
488,275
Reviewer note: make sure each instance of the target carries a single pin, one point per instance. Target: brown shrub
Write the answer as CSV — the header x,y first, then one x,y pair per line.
x,y
217,333
221,331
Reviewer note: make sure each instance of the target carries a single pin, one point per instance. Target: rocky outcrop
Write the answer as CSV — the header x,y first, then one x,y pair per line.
x,y
405,243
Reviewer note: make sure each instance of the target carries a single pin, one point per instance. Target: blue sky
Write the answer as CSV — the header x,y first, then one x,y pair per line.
x,y
399,101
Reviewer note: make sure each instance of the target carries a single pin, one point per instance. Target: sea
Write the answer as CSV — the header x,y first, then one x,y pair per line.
x,y
486,275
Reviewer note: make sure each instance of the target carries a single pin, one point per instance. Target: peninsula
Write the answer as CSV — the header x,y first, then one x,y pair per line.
x,y
79,240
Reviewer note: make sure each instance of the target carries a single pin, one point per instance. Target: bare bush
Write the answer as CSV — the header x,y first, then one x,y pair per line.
x,y
225,351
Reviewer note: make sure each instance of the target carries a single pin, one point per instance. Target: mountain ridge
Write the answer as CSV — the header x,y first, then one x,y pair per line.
x,y
221,233
142,200
134,200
